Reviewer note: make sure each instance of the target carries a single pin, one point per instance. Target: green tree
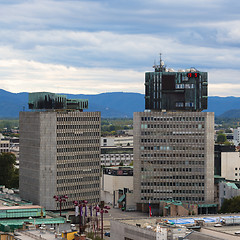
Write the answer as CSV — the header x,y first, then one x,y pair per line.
x,y
121,163
8,174
221,138
231,205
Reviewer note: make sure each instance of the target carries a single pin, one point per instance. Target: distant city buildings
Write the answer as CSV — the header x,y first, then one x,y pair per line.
x,y
236,136
113,156
174,141
120,141
230,165
116,150
59,152
4,145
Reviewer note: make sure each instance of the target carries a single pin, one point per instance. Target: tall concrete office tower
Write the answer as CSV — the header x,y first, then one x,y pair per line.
x,y
59,151
174,140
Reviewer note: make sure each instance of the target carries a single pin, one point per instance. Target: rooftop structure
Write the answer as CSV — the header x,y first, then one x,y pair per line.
x,y
47,100
182,90
176,228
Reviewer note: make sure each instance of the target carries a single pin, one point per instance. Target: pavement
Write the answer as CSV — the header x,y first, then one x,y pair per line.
x,y
116,213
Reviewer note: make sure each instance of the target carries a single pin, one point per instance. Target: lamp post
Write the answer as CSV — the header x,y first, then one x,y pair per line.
x,y
81,204
103,209
60,199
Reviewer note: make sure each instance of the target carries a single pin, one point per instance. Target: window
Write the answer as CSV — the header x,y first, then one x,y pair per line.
x,y
179,104
189,104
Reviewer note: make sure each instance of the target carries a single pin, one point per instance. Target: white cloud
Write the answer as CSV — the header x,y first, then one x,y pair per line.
x,y
19,76
98,46
30,76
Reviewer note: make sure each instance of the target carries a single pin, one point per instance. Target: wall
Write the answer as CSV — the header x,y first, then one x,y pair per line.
x,y
230,165
111,183
121,231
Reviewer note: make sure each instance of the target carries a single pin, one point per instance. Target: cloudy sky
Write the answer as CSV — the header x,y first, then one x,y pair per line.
x,y
96,46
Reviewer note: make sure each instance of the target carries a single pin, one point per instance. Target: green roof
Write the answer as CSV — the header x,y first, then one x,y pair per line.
x,y
208,205
232,185
177,203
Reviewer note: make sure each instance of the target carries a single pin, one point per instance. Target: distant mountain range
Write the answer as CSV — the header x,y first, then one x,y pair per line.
x,y
114,104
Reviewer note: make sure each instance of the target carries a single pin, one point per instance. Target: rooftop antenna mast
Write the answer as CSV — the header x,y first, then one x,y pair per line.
x,y
162,67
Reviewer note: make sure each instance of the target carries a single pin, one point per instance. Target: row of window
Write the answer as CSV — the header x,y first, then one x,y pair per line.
x,y
78,134
82,156
194,134
80,149
174,191
172,170
172,155
64,189
2,145
74,173
115,162
161,126
78,186
175,119
4,150
78,164
185,176
187,104
196,184
65,126
190,199
182,86
177,140
171,148
158,162
78,119
85,141
70,180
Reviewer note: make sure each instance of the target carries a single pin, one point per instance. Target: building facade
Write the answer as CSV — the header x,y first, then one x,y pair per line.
x,y
4,144
166,89
113,180
236,136
173,157
112,156
59,155
230,165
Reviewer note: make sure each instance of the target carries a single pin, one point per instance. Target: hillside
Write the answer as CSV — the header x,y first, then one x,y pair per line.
x,y
112,105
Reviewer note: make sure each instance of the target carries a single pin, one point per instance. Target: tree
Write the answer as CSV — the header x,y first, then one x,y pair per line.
x,y
9,176
221,138
231,205
121,163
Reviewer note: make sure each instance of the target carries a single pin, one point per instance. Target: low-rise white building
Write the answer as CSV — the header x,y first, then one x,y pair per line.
x,y
236,136
113,180
4,144
112,156
230,165
121,141
227,190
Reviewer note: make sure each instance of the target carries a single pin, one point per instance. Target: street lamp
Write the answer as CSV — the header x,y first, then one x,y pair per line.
x,y
81,204
60,199
102,210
